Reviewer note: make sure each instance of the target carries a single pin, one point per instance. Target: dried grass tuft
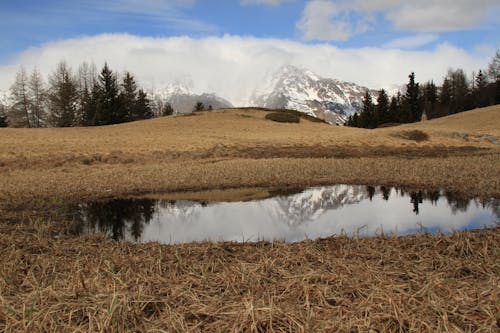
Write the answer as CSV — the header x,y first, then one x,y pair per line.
x,y
421,283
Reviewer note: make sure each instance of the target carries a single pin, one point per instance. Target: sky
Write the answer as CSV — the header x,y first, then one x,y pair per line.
x,y
230,46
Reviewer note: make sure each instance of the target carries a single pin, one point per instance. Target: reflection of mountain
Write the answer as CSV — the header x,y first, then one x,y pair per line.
x,y
128,218
311,204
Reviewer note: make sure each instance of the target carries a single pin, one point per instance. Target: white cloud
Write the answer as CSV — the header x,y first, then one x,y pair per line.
x,y
334,20
325,20
411,42
233,66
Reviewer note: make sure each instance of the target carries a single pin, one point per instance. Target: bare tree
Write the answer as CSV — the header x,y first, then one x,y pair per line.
x,y
37,98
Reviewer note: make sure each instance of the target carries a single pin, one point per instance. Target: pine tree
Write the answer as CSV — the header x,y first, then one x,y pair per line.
x,y
366,117
3,117
199,106
37,97
430,100
108,108
19,113
382,108
445,98
62,97
395,109
480,90
128,98
412,106
167,110
142,107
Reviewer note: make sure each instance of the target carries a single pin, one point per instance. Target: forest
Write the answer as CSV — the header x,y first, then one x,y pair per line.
x,y
418,102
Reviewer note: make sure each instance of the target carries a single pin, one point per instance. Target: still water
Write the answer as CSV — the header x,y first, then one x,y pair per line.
x,y
308,214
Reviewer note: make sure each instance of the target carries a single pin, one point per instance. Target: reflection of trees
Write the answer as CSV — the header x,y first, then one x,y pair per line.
x,y
386,192
416,199
457,202
371,191
115,216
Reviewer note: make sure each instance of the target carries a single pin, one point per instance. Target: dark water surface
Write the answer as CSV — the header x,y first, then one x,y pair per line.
x,y
312,213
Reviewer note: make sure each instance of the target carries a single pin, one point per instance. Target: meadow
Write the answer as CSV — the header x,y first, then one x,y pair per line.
x,y
53,281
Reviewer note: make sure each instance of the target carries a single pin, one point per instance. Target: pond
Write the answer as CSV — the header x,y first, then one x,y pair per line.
x,y
308,214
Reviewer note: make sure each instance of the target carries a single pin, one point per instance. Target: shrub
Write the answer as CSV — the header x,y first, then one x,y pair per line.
x,y
415,135
283,117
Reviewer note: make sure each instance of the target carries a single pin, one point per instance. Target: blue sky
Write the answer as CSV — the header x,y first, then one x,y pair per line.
x,y
466,33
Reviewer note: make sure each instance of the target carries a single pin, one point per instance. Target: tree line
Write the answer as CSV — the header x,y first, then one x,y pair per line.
x,y
84,98
458,93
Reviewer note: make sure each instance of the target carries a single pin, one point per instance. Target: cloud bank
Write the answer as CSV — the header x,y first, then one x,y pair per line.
x,y
233,66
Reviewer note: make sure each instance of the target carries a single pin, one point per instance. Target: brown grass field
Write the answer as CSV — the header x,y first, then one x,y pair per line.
x,y
420,283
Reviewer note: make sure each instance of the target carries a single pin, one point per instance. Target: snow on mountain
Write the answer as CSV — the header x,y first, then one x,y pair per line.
x,y
302,90
310,204
183,100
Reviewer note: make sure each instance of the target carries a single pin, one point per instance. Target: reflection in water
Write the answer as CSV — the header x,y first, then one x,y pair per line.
x,y
289,216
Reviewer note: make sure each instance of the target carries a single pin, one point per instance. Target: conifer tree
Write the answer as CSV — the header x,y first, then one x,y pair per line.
x,y
108,108
142,107
430,100
62,97
167,110
366,118
395,109
412,106
128,98
382,108
480,90
3,117
199,106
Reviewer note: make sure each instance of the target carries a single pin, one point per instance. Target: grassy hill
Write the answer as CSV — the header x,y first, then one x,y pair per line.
x,y
235,148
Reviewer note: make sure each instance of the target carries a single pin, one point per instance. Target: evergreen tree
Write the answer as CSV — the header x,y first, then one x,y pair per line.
x,y
355,120
108,108
382,108
19,113
395,109
62,97
445,98
142,107
367,118
167,110
199,106
480,90
460,95
128,98
430,100
412,106
3,117
37,97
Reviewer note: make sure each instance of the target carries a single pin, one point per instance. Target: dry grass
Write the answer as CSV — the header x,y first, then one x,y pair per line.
x,y
240,148
418,283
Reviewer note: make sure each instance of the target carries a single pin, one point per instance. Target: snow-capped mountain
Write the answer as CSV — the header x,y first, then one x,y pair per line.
x,y
310,204
300,89
183,100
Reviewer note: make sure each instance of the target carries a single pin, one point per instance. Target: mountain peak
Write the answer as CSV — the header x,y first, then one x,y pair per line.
x,y
291,87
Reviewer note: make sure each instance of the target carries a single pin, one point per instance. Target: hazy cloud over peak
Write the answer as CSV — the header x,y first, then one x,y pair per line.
x,y
233,66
